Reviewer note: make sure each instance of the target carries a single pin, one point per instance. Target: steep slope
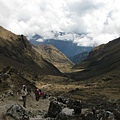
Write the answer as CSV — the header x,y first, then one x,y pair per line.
x,y
16,51
102,59
53,55
79,57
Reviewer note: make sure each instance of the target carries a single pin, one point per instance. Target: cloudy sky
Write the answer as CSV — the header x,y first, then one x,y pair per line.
x,y
98,20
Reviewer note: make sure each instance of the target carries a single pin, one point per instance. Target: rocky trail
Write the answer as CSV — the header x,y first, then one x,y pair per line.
x,y
68,100
36,109
53,108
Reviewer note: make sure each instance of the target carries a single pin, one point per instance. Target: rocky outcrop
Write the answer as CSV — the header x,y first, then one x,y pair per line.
x,y
71,103
98,115
55,108
16,112
61,111
63,108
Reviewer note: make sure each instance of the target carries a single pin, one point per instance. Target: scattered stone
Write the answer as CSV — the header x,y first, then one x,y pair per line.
x,y
107,115
89,116
62,99
107,78
16,112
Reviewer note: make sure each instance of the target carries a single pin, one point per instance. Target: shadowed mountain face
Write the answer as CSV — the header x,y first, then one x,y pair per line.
x,y
79,57
53,55
102,59
16,51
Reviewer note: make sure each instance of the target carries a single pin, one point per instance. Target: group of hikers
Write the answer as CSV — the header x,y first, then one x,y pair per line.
x,y
38,94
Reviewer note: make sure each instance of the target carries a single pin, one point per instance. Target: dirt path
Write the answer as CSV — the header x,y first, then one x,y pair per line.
x,y
32,105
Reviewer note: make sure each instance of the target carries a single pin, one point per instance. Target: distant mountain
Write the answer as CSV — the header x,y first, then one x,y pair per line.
x,y
63,42
79,57
102,59
16,51
53,55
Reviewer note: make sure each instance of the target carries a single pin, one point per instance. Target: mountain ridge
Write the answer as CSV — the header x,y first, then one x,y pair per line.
x,y
16,51
7,35
101,60
79,57
53,55
66,46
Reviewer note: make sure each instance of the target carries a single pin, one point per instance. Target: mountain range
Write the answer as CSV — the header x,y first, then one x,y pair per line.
x,y
95,81
15,50
64,42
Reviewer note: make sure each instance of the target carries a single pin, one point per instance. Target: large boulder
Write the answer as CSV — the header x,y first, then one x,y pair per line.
x,y
71,103
65,114
16,112
76,105
61,116
55,108
68,111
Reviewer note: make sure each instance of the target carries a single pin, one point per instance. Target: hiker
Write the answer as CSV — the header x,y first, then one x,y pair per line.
x,y
39,93
44,95
37,96
24,93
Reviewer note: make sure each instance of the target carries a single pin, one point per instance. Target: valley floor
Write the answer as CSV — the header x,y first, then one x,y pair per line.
x,y
98,89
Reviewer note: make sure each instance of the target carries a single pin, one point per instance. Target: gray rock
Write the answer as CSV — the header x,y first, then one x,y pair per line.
x,y
65,114
117,114
76,105
62,99
89,116
62,116
16,112
107,115
68,112
55,108
71,103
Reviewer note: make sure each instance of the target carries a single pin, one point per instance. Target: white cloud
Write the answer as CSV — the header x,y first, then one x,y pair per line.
x,y
97,19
